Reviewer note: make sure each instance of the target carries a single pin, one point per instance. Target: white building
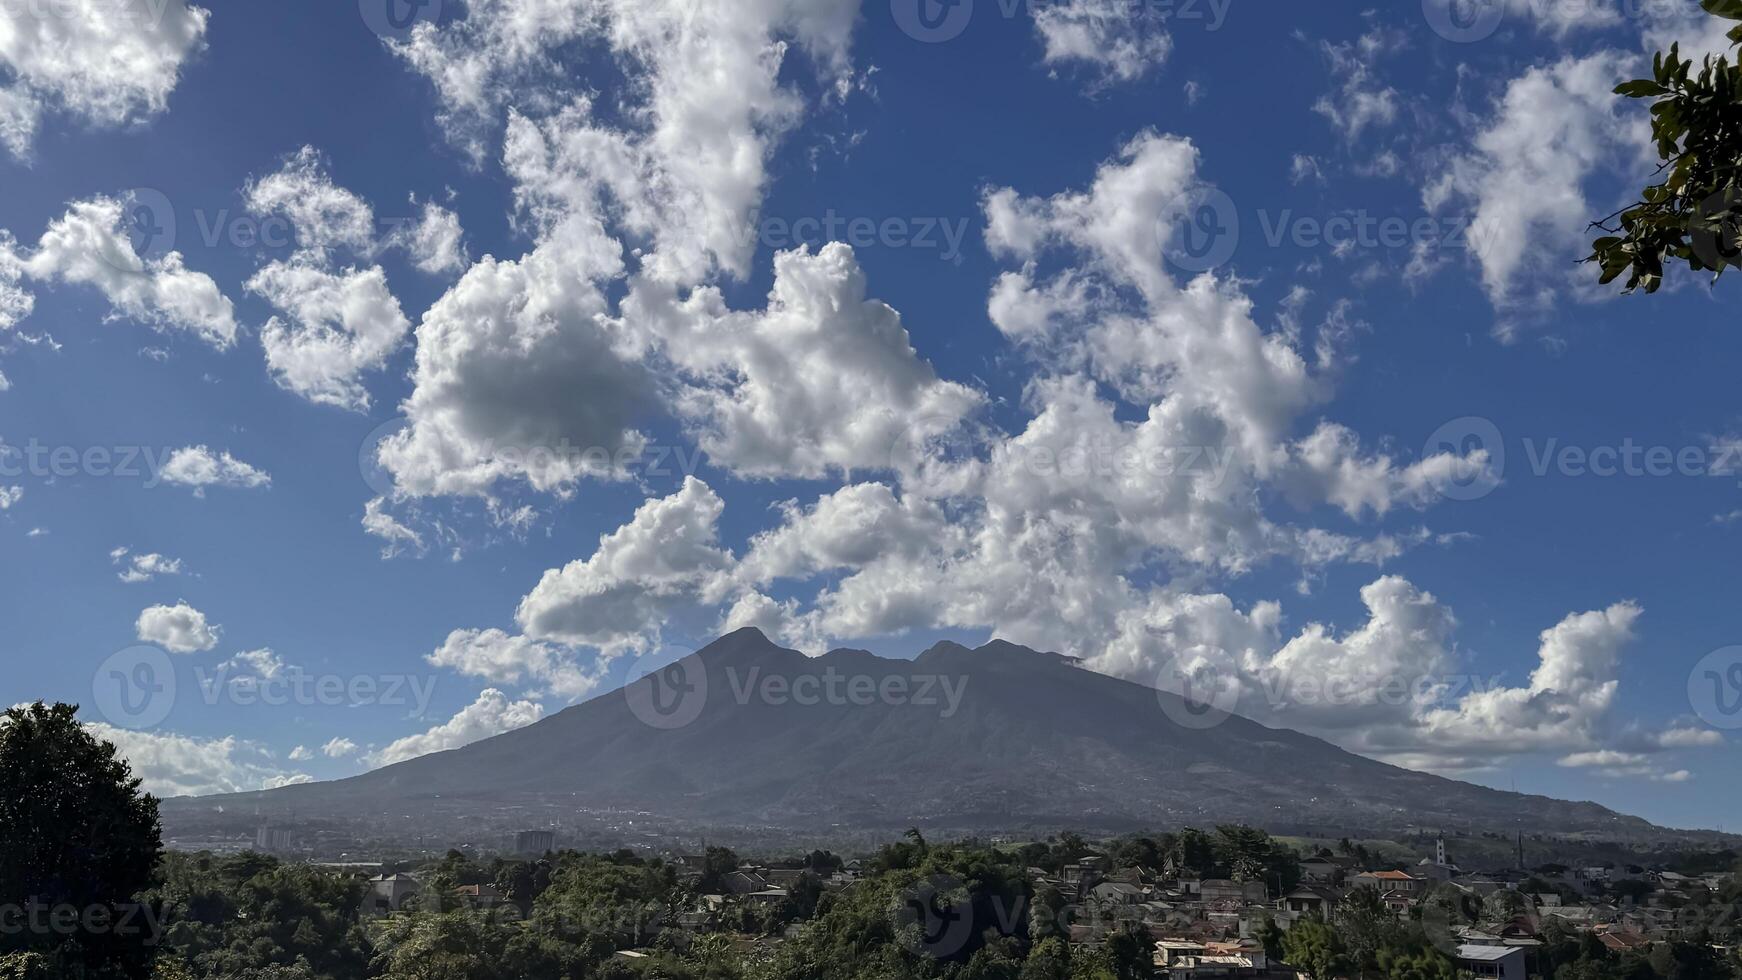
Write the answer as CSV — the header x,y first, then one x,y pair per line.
x,y
1492,962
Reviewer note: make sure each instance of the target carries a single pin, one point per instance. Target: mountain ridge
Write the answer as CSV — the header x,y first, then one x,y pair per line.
x,y
988,737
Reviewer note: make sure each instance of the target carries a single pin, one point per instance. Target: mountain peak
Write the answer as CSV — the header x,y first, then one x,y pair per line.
x,y
746,644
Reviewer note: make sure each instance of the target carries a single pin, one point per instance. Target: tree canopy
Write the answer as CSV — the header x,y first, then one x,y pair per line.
x,y
1692,215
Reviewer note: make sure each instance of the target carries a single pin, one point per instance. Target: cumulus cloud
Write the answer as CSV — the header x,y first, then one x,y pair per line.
x,y
1526,175
199,467
436,242
143,568
693,168
179,628
248,669
1394,688
520,376
491,714
301,753
89,246
503,658
667,555
183,765
339,748
337,327
107,62
1116,38
324,215
824,380
10,496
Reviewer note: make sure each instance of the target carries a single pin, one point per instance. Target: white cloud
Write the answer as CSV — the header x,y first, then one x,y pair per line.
x,y
89,246
1525,175
10,496
503,658
667,555
256,665
694,168
824,380
183,765
15,302
301,753
179,628
491,714
339,326
436,242
339,748
324,215
520,376
199,467
108,62
290,779
1394,688
1119,39
381,524
1361,100
143,568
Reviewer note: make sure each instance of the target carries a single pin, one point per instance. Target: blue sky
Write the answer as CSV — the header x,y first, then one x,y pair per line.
x,y
1308,276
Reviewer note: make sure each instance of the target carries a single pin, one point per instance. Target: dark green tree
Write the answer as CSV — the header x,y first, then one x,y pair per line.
x,y
76,835
1315,949
1692,215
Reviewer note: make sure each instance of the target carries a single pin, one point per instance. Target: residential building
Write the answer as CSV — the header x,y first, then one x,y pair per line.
x,y
1492,962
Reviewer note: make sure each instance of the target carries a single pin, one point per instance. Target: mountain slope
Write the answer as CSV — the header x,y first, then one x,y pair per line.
x,y
998,737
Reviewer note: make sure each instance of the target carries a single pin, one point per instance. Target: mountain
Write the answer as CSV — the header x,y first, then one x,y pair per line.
x,y
1000,737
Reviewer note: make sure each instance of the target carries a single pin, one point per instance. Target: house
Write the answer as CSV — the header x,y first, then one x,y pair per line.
x,y
745,882
387,893
481,896
785,877
767,896
1310,899
1386,882
1319,869
1187,958
1116,893
1492,962
1622,941
1223,890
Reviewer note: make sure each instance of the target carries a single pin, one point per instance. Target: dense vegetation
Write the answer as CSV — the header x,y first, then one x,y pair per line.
x,y
75,832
